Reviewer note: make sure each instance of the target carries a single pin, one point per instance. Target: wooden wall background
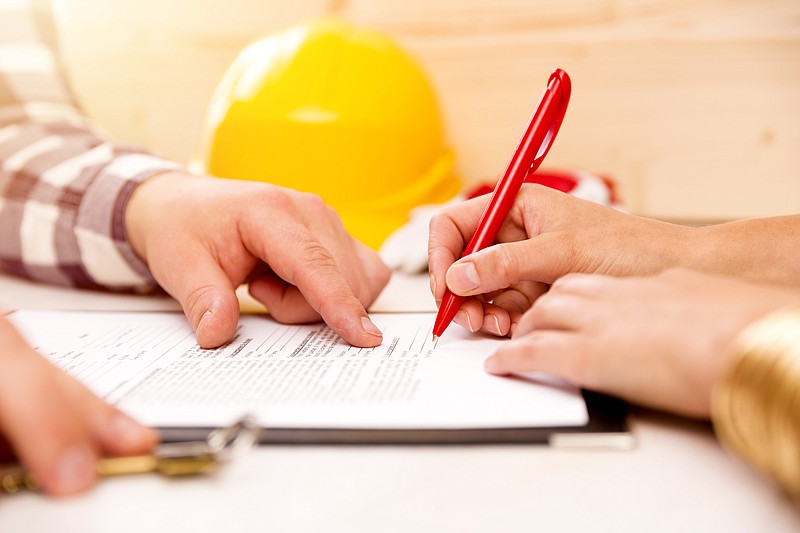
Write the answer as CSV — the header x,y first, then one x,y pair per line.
x,y
692,105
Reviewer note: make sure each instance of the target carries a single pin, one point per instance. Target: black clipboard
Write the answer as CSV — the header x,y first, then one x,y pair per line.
x,y
608,427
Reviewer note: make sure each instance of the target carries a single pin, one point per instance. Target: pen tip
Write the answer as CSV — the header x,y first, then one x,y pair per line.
x,y
434,338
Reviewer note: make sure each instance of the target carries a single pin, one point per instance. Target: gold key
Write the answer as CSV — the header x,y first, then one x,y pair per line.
x,y
170,459
173,459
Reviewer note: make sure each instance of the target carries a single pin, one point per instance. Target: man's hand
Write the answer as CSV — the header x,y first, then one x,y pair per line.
x,y
55,426
202,237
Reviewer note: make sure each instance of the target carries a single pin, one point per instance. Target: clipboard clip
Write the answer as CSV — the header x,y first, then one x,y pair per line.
x,y
172,459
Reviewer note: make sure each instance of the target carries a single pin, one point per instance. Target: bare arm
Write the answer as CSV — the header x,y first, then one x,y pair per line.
x,y
549,234
758,249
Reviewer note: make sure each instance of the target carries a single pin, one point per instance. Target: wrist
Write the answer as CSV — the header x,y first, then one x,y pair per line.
x,y
755,405
694,247
143,208
671,246
713,251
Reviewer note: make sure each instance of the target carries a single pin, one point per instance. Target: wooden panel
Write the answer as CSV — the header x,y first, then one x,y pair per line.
x,y
693,106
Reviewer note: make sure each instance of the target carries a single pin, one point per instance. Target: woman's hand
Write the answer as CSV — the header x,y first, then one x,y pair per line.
x,y
661,341
547,234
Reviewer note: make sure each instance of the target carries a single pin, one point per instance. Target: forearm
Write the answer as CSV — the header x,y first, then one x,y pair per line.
x,y
64,193
63,186
761,250
756,404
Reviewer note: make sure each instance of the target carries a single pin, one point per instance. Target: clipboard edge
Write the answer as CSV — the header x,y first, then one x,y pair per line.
x,y
609,427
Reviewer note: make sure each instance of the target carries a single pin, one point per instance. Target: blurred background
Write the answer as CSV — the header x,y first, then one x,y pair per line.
x,y
692,106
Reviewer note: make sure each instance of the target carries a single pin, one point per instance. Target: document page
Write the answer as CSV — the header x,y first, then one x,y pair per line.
x,y
295,376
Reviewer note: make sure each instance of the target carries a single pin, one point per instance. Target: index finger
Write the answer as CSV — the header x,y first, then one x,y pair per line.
x,y
307,264
450,230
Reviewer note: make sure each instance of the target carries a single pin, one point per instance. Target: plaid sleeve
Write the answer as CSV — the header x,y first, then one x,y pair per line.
x,y
63,186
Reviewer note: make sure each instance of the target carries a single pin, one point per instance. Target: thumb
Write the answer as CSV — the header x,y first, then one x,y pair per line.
x,y
208,299
502,265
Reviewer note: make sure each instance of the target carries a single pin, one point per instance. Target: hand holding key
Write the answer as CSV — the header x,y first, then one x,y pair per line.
x,y
170,459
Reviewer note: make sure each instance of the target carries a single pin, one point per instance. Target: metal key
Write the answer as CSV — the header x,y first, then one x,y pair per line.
x,y
170,459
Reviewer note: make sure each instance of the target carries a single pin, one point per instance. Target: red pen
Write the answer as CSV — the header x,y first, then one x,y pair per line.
x,y
534,145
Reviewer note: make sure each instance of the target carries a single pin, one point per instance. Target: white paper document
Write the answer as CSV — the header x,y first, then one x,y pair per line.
x,y
295,376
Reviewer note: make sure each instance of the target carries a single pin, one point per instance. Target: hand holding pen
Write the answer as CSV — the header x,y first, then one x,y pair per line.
x,y
531,150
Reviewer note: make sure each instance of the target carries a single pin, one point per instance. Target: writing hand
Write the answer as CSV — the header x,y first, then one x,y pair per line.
x,y
547,234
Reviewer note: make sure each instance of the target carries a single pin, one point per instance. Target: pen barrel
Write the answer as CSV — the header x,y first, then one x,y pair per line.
x,y
526,159
499,206
534,144
451,303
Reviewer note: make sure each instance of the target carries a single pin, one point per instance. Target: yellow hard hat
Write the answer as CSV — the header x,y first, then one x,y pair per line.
x,y
337,110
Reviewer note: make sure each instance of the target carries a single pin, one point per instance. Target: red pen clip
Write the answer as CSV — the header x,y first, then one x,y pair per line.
x,y
532,148
559,87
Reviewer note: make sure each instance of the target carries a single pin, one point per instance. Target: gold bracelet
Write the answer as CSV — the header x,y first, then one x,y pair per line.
x,y
755,406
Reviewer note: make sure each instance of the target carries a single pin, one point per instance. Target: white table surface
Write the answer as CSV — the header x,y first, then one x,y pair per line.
x,y
677,478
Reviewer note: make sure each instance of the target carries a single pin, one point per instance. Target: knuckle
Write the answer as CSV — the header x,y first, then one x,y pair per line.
x,y
560,284
525,351
438,220
525,324
576,366
437,230
533,192
314,201
515,300
314,259
317,267
538,345
449,220
537,342
278,199
541,310
320,209
332,214
503,264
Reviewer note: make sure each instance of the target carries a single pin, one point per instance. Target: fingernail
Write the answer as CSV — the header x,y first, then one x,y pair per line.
x,y
433,286
490,365
462,277
463,317
369,327
497,325
128,432
75,470
203,319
